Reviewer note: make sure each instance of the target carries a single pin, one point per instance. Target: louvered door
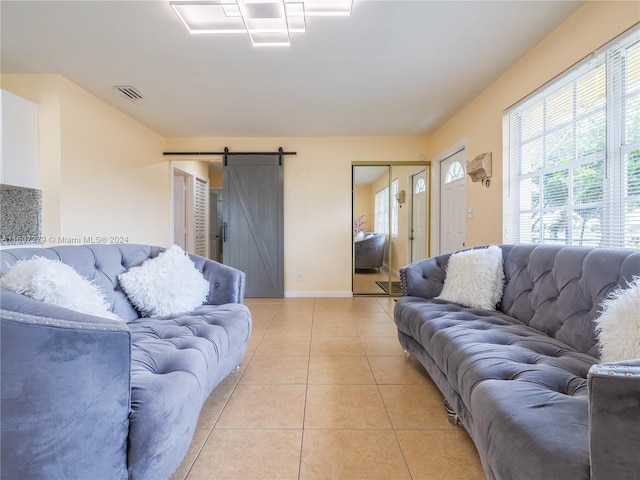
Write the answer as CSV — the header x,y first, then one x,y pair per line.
x,y
200,217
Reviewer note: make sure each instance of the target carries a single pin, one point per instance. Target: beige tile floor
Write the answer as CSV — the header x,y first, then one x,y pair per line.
x,y
326,393
364,283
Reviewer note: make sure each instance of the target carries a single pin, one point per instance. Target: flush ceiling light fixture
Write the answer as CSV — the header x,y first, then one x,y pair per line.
x,y
268,22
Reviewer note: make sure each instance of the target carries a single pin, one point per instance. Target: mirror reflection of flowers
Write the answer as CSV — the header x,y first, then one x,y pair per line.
x,y
358,224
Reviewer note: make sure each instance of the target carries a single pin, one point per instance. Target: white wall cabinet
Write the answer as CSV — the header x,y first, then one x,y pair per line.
x,y
18,141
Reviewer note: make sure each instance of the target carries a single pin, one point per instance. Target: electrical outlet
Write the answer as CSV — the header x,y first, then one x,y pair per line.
x,y
300,276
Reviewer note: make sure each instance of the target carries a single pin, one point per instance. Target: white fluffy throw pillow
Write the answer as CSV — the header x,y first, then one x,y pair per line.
x,y
169,283
618,327
52,281
475,278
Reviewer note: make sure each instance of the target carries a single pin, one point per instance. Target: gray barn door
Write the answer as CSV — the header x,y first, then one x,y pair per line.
x,y
253,223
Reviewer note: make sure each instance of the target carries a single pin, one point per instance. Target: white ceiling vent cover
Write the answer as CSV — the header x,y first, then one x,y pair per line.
x,y
129,92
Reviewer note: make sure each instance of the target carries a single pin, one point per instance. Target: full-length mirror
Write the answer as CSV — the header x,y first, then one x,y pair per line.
x,y
390,223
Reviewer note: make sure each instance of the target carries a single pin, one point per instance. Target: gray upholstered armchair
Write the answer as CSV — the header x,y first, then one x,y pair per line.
x,y
369,252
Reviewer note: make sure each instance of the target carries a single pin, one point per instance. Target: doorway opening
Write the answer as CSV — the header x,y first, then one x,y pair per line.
x,y
190,205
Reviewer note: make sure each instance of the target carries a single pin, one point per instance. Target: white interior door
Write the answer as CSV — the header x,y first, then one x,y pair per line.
x,y
418,237
453,203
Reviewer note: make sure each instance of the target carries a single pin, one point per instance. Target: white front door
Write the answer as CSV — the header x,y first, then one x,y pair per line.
x,y
418,236
453,203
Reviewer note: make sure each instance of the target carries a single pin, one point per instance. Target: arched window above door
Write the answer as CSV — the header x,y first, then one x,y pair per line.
x,y
455,172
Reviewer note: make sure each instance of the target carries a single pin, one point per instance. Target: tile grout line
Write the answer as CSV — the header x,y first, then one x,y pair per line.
x,y
306,391
226,402
386,409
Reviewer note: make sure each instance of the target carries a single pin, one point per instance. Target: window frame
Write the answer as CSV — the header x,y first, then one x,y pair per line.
x,y
381,211
612,229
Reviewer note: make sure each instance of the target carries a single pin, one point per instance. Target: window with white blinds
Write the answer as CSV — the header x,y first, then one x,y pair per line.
x,y
381,211
573,173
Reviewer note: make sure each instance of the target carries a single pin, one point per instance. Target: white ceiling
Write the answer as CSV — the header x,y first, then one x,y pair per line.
x,y
393,67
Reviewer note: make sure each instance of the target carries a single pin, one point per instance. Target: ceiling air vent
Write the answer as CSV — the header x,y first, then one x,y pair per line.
x,y
129,92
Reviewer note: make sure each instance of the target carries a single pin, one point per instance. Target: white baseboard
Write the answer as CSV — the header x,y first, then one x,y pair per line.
x,y
294,294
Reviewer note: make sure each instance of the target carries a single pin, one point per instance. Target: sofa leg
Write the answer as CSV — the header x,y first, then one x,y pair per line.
x,y
407,354
236,369
453,416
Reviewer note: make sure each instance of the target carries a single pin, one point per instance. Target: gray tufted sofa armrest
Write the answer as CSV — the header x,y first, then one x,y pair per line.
x,y
56,420
424,278
227,284
614,420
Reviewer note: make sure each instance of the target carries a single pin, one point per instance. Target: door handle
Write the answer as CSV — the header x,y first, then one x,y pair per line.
x,y
224,231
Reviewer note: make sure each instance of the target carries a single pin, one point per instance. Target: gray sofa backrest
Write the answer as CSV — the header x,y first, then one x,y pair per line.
x,y
553,288
99,263
558,290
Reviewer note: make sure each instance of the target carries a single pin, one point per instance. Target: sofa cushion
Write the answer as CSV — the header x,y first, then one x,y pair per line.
x,y
475,278
175,364
100,264
492,345
558,290
57,283
166,284
511,378
618,327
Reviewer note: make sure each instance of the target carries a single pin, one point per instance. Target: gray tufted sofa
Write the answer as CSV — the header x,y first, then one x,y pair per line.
x,y
369,252
524,380
89,398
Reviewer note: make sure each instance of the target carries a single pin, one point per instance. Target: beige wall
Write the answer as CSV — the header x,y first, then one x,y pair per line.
x,y
196,168
480,122
102,174
215,178
317,192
